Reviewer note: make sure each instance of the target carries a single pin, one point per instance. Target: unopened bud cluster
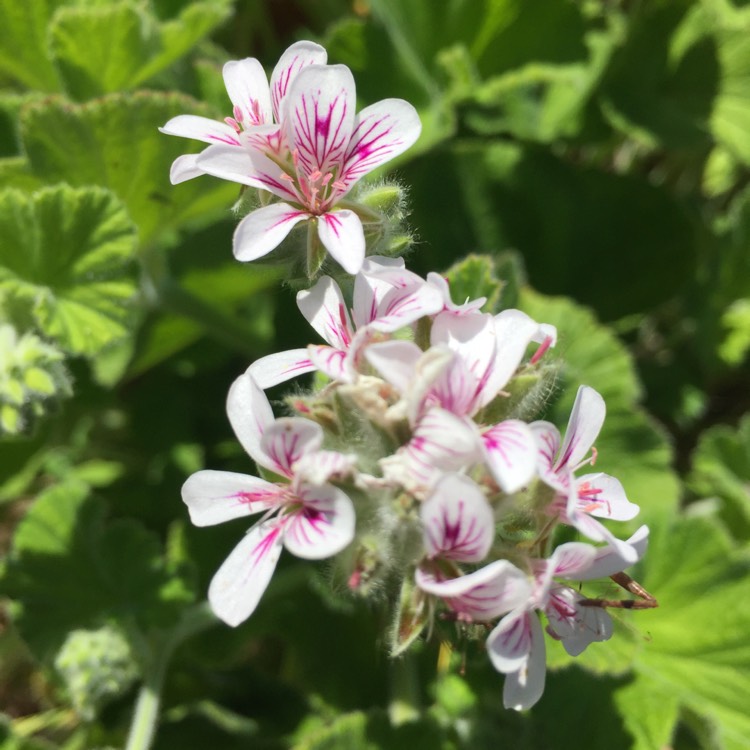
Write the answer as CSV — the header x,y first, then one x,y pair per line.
x,y
32,378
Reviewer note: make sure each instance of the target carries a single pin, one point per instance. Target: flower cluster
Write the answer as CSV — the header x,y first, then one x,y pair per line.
x,y
416,465
299,139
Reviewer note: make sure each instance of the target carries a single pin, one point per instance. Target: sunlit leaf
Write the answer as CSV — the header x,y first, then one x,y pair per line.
x,y
67,253
119,46
114,142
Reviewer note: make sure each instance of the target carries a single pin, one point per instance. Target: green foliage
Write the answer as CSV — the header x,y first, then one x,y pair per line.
x,y
67,263
605,143
721,472
69,569
32,378
107,48
113,142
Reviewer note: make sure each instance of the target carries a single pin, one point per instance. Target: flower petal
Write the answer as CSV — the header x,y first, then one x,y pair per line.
x,y
247,87
324,308
571,559
296,57
511,454
216,496
381,131
396,362
279,367
441,442
483,595
402,306
319,117
609,560
342,235
201,129
457,520
603,496
264,229
575,625
323,526
524,687
250,415
287,440
509,644
184,168
318,467
239,583
233,163
584,425
331,362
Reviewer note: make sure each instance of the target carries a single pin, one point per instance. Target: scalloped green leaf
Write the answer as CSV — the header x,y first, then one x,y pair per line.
x,y
472,277
721,471
114,142
116,47
68,255
69,569
23,43
631,446
697,652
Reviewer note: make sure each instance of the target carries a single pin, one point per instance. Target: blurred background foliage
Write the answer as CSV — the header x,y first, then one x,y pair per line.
x,y
598,151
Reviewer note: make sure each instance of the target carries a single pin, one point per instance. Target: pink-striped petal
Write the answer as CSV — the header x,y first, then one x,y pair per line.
x,y
201,129
184,168
571,559
324,308
602,495
319,117
371,285
331,362
584,425
511,454
296,57
342,235
264,229
547,439
239,583
441,442
510,643
250,415
323,526
216,496
574,625
287,440
449,306
402,306
482,595
457,520
247,86
280,367
381,131
598,532
524,687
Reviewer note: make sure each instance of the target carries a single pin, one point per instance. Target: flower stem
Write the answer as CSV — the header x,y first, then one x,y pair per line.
x,y
405,703
146,714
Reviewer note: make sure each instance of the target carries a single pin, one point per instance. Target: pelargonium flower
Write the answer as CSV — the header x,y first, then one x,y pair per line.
x,y
307,515
326,148
386,298
516,645
579,499
257,108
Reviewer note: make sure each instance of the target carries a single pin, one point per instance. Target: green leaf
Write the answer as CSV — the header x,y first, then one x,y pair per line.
x,y
67,253
116,47
23,43
697,652
70,570
114,142
721,470
475,276
631,447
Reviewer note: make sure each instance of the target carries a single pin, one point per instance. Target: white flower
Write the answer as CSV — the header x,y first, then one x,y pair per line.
x,y
308,516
